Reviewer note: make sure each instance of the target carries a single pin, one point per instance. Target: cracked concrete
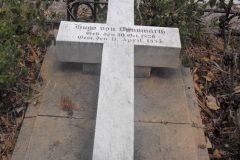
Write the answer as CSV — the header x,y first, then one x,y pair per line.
x,y
167,120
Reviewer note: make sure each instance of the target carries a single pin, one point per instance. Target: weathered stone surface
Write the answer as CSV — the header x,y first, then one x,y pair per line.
x,y
95,69
61,139
114,131
158,49
91,68
22,145
195,117
66,80
117,33
142,72
150,137
155,141
161,97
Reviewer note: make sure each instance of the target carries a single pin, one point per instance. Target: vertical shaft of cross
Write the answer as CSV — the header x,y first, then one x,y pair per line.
x,y
120,13
114,132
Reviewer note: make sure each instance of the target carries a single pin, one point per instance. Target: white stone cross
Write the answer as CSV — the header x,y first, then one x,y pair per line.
x,y
118,46
114,131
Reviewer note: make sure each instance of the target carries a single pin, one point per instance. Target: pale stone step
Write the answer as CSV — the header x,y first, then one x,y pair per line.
x,y
95,69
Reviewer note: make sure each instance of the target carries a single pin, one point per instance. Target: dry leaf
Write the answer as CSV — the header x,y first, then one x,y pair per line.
x,y
213,58
209,144
20,109
195,71
5,121
237,89
209,77
34,54
195,77
217,154
206,59
4,157
201,87
212,103
197,88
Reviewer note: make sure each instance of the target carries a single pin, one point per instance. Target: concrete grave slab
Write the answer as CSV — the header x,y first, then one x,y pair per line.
x,y
156,141
50,123
66,80
195,117
49,141
113,138
156,101
22,145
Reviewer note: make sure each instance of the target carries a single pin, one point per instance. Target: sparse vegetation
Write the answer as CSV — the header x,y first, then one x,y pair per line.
x,y
23,41
184,14
21,25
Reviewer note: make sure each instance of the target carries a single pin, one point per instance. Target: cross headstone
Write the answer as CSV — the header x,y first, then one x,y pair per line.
x,y
118,46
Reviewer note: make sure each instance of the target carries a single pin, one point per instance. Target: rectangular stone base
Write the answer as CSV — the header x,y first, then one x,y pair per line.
x,y
95,69
89,68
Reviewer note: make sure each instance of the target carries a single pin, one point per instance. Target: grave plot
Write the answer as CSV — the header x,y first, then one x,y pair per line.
x,y
114,123
62,125
113,117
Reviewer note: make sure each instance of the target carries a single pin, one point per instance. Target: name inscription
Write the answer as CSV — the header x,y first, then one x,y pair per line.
x,y
119,34
102,33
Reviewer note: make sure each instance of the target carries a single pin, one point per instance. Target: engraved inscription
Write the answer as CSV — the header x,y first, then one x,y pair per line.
x,y
119,34
132,35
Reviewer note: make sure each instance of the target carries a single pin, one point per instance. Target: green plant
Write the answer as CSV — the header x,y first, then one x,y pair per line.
x,y
184,14
224,20
21,24
187,61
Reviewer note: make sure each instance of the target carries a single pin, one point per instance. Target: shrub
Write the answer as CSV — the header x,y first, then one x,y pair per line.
x,y
18,18
184,14
226,18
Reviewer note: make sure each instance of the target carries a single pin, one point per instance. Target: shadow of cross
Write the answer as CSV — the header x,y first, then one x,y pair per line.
x,y
118,46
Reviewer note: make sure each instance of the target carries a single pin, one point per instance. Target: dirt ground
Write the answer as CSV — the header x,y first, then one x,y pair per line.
x,y
216,77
